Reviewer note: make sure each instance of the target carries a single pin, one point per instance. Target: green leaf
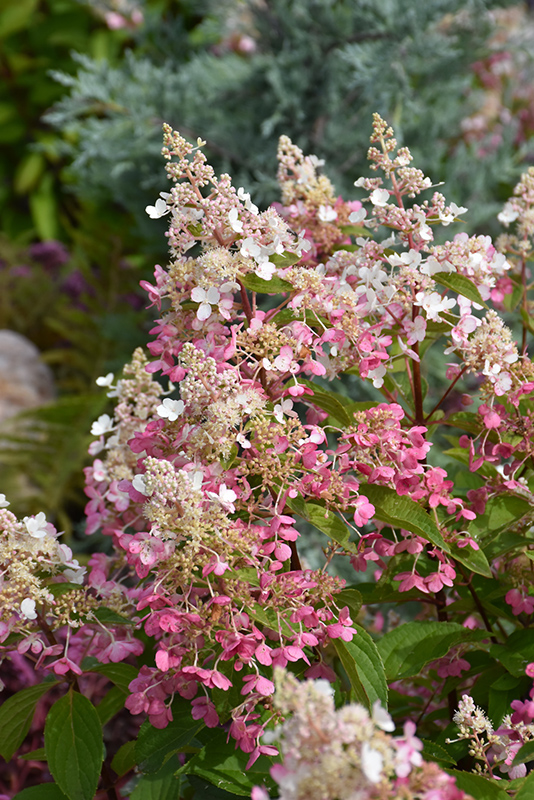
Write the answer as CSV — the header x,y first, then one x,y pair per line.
x,y
478,787
225,767
435,752
407,649
120,674
401,512
274,286
46,791
527,320
284,260
325,521
269,618
351,598
34,755
74,746
461,454
330,402
162,785
109,617
500,514
506,541
512,300
501,693
526,792
111,704
459,284
57,589
524,754
154,745
124,759
516,653
29,172
364,667
356,230
466,421
16,715
475,560
207,791
16,16
43,207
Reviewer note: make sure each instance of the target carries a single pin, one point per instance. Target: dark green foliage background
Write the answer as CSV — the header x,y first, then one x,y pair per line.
x,y
319,69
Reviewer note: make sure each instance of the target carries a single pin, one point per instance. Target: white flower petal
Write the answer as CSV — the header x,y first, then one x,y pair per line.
x,y
106,380
158,210
27,608
358,216
138,484
198,295
379,197
372,763
103,424
213,296
204,311
381,718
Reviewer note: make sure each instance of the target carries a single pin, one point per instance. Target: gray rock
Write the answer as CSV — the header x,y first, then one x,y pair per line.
x,y
25,381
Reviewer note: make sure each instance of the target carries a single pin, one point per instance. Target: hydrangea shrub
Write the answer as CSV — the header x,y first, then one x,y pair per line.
x,y
286,392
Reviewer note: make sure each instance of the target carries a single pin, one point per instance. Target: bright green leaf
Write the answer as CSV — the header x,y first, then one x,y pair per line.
x,y
524,754
459,284
352,598
109,617
500,514
356,230
526,792
57,589
269,618
466,421
73,745
28,172
405,650
207,791
435,752
274,286
475,560
364,667
401,512
506,541
330,402
461,454
478,787
16,714
326,521
15,16
516,653
284,260
43,207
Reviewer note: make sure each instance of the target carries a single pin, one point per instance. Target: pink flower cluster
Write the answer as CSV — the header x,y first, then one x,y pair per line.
x,y
202,481
199,486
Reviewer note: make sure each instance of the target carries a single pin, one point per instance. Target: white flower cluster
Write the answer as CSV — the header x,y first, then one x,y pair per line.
x,y
329,753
